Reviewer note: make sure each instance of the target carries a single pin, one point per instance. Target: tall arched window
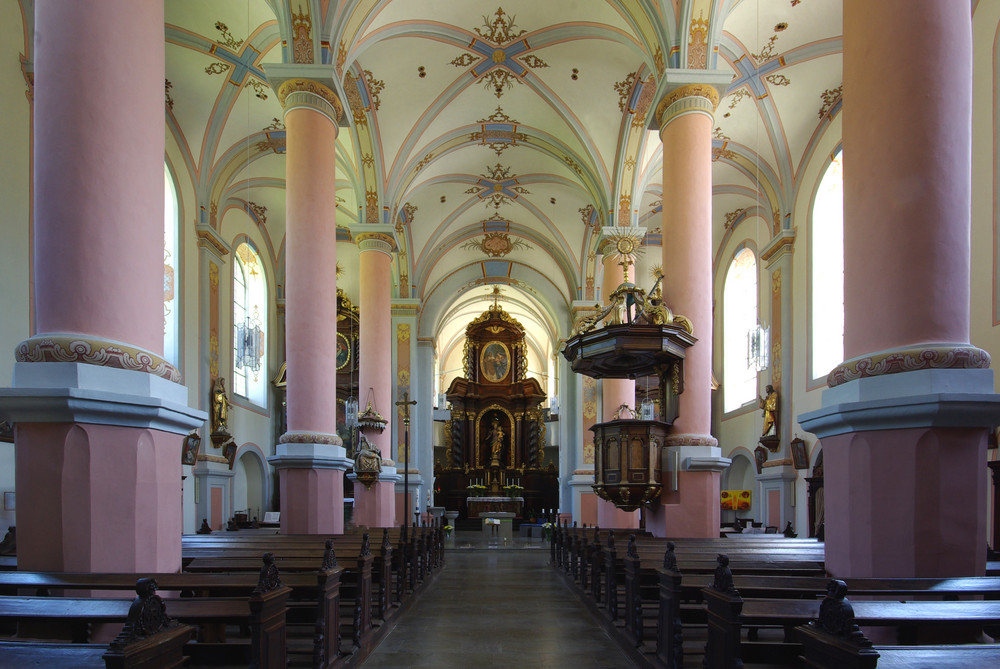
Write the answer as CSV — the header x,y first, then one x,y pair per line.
x,y
827,277
249,326
171,314
739,313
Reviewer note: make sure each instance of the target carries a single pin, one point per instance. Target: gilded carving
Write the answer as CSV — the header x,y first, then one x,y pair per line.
x,y
227,38
698,43
300,437
830,98
908,360
309,86
732,216
496,244
624,89
302,49
690,90
94,351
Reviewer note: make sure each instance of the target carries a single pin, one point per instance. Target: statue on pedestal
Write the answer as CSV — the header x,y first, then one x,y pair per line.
x,y
495,441
220,412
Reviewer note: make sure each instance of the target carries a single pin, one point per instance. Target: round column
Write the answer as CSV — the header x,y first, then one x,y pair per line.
x,y
99,414
375,506
310,457
98,178
686,117
905,419
614,393
907,186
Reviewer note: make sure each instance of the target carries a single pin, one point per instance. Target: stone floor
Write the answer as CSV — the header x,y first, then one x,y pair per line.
x,y
497,604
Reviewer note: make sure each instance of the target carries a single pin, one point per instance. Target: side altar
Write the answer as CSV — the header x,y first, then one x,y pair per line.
x,y
494,443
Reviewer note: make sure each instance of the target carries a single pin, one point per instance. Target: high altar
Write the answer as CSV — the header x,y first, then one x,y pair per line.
x,y
495,438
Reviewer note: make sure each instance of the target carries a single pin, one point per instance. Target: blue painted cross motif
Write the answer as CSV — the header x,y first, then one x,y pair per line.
x,y
750,75
499,56
243,63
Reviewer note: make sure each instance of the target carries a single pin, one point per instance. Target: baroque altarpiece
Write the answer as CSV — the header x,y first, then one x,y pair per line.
x,y
494,441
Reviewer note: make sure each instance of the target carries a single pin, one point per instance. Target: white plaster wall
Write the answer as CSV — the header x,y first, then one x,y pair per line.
x,y
985,177
15,194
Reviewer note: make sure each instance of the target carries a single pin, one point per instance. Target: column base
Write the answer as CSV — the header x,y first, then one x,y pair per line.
x,y
376,506
98,466
584,504
692,509
311,480
903,472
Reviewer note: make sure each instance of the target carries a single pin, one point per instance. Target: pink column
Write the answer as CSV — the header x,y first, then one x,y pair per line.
x,y
310,456
99,147
375,506
686,116
907,193
902,498
98,497
614,393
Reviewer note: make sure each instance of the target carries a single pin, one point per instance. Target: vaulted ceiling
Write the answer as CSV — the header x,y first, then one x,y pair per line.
x,y
499,138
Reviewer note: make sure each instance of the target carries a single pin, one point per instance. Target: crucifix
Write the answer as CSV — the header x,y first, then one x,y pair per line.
x,y
406,403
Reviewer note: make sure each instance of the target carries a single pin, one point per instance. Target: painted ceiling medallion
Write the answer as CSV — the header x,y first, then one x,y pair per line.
x,y
498,187
498,56
496,244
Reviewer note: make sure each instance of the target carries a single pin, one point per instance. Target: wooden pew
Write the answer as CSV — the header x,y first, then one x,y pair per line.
x,y
355,587
728,613
835,640
323,587
148,640
263,612
388,568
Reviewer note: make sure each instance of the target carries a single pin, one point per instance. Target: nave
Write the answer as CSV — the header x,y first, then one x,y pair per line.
x,y
498,607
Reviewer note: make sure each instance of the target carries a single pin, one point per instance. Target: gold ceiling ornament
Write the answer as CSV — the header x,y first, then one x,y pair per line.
x,y
624,89
830,98
625,243
496,244
500,30
227,37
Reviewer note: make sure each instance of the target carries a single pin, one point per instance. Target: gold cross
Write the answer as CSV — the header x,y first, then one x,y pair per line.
x,y
406,402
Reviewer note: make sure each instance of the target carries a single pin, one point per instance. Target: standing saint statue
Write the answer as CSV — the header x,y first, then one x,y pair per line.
x,y
495,440
220,407
769,409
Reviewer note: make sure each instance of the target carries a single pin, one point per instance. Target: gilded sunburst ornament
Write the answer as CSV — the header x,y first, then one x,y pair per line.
x,y
496,244
625,243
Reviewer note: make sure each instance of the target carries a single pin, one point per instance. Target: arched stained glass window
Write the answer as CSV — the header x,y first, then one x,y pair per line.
x,y
249,326
827,276
739,313
171,313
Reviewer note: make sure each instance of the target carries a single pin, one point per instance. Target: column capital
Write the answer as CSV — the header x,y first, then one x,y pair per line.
x,y
779,247
375,237
211,241
310,86
686,91
298,93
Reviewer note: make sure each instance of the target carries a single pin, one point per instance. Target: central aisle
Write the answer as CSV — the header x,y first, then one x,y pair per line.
x,y
498,608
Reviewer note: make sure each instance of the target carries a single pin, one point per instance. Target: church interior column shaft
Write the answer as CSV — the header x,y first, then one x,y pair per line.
x,y
375,506
310,458
98,486
905,418
686,118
